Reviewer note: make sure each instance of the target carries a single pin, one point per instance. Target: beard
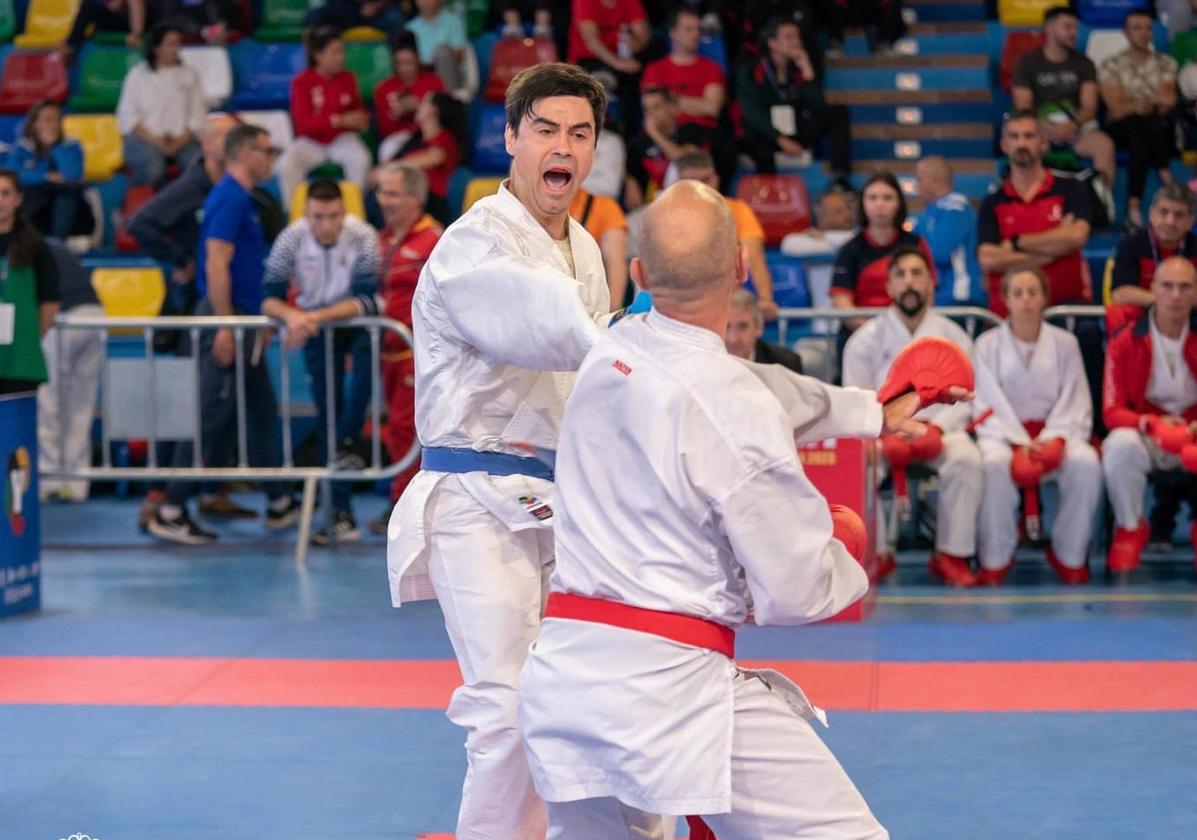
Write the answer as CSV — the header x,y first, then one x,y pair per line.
x,y
910,302
1022,157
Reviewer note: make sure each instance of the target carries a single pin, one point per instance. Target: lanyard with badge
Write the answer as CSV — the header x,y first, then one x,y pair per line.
x,y
8,311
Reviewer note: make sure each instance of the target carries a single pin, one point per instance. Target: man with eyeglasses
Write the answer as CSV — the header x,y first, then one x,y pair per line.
x,y
229,267
406,241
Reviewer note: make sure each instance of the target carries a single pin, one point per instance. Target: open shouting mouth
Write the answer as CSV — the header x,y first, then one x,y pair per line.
x,y
557,179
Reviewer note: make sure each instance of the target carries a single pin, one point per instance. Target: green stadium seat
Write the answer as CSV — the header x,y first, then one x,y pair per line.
x,y
370,62
101,72
8,21
282,20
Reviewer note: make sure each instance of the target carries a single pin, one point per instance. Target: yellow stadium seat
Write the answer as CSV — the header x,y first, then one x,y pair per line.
x,y
103,149
47,23
129,292
351,193
363,33
479,188
1024,12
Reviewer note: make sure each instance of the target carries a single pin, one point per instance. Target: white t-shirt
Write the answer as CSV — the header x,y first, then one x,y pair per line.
x,y
1171,385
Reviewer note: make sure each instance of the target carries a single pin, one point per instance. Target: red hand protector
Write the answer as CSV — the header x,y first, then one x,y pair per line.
x,y
928,365
699,830
1025,470
1049,453
848,528
1172,438
927,446
898,453
1188,457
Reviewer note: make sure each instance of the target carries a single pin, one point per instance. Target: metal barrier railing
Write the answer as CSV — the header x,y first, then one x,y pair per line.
x,y
194,326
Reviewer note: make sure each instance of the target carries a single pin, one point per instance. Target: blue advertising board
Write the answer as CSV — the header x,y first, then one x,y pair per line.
x,y
20,527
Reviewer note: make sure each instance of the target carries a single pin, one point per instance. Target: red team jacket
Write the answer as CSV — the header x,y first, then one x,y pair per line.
x,y
314,100
1128,369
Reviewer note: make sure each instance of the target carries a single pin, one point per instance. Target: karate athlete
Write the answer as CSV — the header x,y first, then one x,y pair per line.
x,y
681,509
1150,395
1031,384
867,357
506,308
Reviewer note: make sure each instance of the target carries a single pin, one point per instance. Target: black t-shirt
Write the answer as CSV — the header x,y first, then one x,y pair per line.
x,y
44,270
1053,83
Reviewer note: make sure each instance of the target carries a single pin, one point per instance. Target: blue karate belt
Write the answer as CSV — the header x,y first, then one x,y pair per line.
x,y
452,460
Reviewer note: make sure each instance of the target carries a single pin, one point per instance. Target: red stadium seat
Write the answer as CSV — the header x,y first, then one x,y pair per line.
x,y
512,55
780,202
134,199
1018,44
30,76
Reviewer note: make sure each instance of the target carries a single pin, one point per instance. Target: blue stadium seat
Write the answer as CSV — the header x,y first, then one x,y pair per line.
x,y
712,47
262,74
1107,12
789,280
490,153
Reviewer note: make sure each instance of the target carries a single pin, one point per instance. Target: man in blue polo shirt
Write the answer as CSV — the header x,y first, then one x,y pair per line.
x,y
229,267
948,224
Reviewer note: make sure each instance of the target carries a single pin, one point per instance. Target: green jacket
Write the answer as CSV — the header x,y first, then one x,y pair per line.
x,y
23,358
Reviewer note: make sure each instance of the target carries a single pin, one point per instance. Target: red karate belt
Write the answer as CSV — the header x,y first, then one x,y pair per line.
x,y
687,629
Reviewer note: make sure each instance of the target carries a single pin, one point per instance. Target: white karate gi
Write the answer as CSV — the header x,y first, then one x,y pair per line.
x,y
1128,456
1051,388
679,489
867,357
496,311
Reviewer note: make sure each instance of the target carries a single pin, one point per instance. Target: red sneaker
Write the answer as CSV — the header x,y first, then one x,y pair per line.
x,y
1127,547
994,577
1067,574
952,570
884,567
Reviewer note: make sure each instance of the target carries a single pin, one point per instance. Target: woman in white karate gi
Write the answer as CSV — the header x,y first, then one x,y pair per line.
x,y
1031,377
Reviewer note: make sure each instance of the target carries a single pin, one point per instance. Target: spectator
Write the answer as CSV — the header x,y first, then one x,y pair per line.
x,y
604,37
329,261
745,328
867,357
397,97
1168,234
783,108
881,19
515,12
610,169
948,224
835,219
604,220
232,250
28,294
661,142
51,170
698,166
697,83
210,20
328,113
161,109
436,148
1031,384
1138,86
1151,383
67,406
441,40
1184,44
126,16
406,241
1034,219
1060,85
862,267
348,14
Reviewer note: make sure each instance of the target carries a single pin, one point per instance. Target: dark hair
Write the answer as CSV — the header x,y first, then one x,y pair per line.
x,y
239,137
659,90
903,251
1055,12
1015,114
451,114
881,177
154,40
24,238
1177,192
324,189
696,159
317,39
405,40
27,130
1143,12
1044,283
682,9
532,84
773,25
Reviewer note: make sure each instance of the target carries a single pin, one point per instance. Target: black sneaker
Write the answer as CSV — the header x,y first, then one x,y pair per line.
x,y
344,529
383,522
347,458
179,530
285,518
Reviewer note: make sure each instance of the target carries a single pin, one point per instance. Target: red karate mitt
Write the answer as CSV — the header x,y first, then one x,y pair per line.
x,y
928,365
899,454
1172,438
1049,454
928,445
1027,473
849,528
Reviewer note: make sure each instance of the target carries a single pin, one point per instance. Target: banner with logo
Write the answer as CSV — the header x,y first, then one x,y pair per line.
x,y
20,530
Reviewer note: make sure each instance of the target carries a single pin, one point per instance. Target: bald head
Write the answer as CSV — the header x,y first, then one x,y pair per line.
x,y
934,177
216,129
688,243
1176,268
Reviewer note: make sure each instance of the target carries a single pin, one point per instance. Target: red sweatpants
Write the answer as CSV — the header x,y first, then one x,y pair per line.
x,y
398,382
